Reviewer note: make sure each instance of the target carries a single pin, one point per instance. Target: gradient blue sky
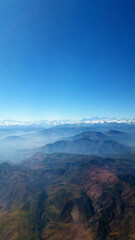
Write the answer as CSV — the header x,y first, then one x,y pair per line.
x,y
63,59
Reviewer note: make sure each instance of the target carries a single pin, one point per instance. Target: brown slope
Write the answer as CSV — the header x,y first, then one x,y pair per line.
x,y
86,198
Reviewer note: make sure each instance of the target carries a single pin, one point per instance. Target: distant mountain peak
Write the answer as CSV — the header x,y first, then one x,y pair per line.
x,y
52,123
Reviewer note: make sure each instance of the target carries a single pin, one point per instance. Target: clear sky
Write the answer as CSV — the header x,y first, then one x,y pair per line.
x,y
63,59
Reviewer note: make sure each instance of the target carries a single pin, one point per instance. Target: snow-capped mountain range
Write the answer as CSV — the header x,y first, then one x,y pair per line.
x,y
51,123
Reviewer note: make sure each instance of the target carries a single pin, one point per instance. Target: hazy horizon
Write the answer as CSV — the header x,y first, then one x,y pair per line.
x,y
85,119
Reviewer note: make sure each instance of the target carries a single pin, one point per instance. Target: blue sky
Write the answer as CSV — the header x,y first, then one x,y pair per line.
x,y
62,59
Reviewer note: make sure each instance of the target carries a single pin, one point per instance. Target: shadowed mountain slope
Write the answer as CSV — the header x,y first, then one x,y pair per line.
x,y
127,138
89,143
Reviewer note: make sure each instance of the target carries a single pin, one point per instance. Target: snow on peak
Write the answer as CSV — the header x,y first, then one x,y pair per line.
x,y
47,123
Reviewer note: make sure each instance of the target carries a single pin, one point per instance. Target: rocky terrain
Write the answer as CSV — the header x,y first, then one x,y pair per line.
x,y
68,196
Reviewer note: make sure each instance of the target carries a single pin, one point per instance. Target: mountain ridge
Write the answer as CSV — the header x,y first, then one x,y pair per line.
x,y
51,123
68,196
89,143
